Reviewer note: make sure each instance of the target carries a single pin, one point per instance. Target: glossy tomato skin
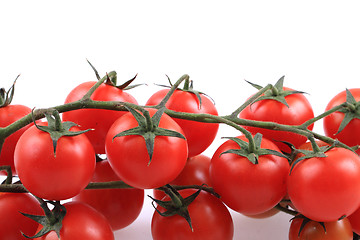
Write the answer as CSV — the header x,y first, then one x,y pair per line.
x,y
195,172
54,177
335,230
210,220
326,189
129,158
81,222
298,112
98,119
12,222
199,135
246,187
349,135
120,206
8,115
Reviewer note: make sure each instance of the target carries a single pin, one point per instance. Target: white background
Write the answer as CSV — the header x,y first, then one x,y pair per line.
x,y
315,44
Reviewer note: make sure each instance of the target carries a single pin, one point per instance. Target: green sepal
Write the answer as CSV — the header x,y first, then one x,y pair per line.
x,y
177,205
148,128
276,93
306,221
350,113
111,79
252,156
311,154
6,97
53,222
56,128
188,87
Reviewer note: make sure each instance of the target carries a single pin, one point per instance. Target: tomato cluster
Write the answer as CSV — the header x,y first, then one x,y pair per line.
x,y
83,172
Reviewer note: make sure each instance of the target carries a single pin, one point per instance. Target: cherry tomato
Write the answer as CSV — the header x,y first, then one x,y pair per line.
x,y
326,188
81,222
120,206
98,119
297,112
8,115
246,187
335,230
129,158
12,222
50,176
210,220
349,135
199,135
195,172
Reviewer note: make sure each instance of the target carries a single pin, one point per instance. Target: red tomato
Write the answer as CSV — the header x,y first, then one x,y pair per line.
x,y
335,230
199,135
50,177
8,115
210,220
326,188
120,206
81,222
349,135
246,187
12,222
97,119
195,172
298,112
129,158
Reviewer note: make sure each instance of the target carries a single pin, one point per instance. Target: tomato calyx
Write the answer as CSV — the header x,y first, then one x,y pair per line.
x,y
188,87
317,152
51,221
111,79
177,205
306,221
351,110
148,128
56,128
7,96
276,92
252,154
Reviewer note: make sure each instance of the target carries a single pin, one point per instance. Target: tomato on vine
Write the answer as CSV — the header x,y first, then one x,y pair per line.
x,y
53,160
344,124
199,135
78,222
323,185
249,181
303,229
120,206
146,150
98,119
12,222
9,113
280,105
209,219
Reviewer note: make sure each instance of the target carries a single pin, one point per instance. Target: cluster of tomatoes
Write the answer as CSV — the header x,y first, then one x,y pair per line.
x,y
55,160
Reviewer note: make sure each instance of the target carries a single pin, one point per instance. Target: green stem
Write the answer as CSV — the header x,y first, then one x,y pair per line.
x,y
172,90
250,100
201,187
321,116
96,85
286,210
